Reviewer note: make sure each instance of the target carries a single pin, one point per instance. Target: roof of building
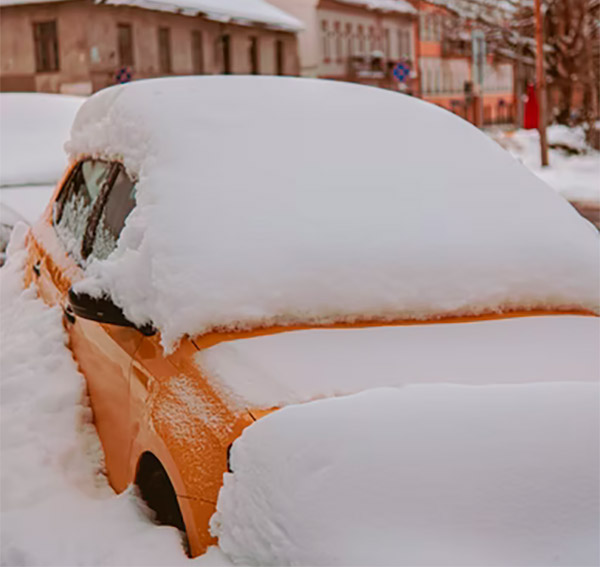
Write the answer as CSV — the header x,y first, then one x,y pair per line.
x,y
245,12
398,6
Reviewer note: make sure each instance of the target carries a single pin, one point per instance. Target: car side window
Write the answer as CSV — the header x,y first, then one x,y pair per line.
x,y
76,201
119,202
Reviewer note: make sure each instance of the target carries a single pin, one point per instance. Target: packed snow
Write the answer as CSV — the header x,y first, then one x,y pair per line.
x,y
574,169
57,506
35,127
423,475
298,366
270,200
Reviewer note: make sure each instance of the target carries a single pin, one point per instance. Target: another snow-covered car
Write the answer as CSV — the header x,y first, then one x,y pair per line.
x,y
35,127
226,246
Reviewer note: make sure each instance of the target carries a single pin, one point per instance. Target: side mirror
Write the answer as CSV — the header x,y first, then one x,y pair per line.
x,y
103,310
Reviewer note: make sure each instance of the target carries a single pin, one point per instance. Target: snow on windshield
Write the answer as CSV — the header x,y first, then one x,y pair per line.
x,y
299,366
35,127
423,475
268,200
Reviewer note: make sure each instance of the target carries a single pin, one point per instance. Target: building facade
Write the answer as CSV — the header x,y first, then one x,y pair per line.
x,y
358,41
447,69
79,46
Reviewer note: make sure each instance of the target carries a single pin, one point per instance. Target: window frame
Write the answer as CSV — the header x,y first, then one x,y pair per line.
x,y
46,46
125,44
197,46
165,55
66,191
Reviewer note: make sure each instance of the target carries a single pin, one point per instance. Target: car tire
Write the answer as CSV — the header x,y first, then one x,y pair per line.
x,y
158,493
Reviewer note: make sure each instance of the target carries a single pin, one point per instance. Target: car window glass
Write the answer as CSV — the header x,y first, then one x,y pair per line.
x,y
119,203
75,203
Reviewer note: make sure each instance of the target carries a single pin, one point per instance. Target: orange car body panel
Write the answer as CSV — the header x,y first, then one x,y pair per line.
x,y
146,401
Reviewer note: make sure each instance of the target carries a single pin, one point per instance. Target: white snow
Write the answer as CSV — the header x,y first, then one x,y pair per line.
x,y
424,475
29,201
35,127
238,11
398,6
266,200
298,366
57,506
575,177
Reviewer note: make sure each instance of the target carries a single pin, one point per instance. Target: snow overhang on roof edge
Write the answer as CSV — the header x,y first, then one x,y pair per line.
x,y
279,21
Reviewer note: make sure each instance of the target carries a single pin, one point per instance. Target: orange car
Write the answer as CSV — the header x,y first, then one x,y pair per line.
x,y
150,396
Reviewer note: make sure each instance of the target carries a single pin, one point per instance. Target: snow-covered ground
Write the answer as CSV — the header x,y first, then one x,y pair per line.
x,y
576,176
35,127
534,449
57,507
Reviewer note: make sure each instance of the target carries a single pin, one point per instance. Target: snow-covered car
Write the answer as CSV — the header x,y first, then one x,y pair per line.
x,y
226,246
35,127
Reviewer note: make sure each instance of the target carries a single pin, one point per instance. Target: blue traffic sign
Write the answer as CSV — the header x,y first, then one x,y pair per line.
x,y
401,72
123,75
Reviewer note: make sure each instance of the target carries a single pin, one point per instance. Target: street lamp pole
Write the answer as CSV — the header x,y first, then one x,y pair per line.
x,y
541,81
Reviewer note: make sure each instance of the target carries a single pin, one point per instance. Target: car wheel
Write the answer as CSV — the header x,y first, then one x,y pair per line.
x,y
157,491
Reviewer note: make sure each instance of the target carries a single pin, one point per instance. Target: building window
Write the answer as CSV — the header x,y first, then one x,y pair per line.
x,y
164,50
386,43
125,45
253,55
325,40
225,44
372,45
349,46
339,46
46,46
197,52
280,57
361,40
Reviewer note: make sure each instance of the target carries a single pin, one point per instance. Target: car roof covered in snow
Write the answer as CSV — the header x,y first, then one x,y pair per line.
x,y
269,200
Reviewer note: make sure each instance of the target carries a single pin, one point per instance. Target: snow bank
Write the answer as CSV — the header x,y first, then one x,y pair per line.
x,y
423,475
35,128
299,366
575,177
269,200
28,201
57,507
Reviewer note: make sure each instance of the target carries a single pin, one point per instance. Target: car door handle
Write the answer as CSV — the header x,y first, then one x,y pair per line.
x,y
36,268
68,314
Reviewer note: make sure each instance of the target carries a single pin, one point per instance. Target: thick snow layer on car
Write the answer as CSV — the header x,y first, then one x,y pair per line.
x,y
35,127
298,366
269,200
57,506
423,475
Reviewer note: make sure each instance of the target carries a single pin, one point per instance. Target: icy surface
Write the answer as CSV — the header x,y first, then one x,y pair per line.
x,y
298,366
35,127
268,200
57,507
423,475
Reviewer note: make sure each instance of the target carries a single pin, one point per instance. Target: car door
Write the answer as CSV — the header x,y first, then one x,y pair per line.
x,y
87,218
